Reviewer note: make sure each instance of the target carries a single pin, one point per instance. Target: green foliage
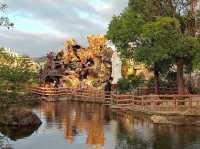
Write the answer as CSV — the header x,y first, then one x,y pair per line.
x,y
186,47
124,29
153,39
130,83
166,80
195,90
196,57
162,33
157,41
15,76
159,25
150,9
14,71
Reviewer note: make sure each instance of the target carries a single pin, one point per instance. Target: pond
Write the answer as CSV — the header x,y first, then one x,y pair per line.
x,y
74,125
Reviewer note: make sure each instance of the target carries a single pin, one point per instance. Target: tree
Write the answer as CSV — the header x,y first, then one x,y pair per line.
x,y
157,41
184,54
14,70
125,29
4,20
146,13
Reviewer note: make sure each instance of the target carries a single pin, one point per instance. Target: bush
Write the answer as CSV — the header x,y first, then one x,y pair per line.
x,y
130,83
195,90
164,82
150,82
12,96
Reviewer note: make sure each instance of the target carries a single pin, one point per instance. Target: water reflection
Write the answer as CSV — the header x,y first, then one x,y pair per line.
x,y
139,133
76,125
77,119
17,133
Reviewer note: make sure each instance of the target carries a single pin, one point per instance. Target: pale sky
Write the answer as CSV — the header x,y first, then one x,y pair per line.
x,y
43,25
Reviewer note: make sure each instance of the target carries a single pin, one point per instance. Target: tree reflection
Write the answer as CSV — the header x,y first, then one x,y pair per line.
x,y
76,119
138,133
4,142
132,131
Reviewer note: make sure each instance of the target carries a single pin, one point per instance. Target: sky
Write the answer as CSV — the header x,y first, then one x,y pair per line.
x,y
43,25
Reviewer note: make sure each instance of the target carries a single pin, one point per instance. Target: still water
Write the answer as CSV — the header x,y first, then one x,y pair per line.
x,y
73,125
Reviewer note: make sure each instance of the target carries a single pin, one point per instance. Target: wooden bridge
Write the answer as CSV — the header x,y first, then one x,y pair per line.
x,y
152,103
130,101
51,94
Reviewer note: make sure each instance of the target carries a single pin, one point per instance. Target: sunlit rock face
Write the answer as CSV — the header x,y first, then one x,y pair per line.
x,y
79,67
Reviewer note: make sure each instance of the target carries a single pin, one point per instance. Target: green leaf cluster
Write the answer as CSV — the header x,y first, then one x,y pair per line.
x,y
130,83
158,30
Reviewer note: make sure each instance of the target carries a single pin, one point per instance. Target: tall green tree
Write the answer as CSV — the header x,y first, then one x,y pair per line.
x,y
125,29
145,14
157,41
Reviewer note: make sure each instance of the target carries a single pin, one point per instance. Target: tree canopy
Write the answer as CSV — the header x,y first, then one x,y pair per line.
x,y
162,33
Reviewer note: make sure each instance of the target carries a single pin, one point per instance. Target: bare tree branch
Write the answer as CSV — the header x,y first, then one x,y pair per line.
x,y
4,20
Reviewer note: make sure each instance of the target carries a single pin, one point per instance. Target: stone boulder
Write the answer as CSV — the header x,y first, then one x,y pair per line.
x,y
19,117
159,119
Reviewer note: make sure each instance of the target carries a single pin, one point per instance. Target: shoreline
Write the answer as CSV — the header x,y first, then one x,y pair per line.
x,y
20,98
164,118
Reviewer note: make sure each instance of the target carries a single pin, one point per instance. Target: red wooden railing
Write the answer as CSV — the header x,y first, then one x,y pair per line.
x,y
152,102
167,102
151,90
76,94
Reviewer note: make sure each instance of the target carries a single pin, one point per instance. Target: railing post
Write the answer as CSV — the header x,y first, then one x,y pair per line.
x,y
117,99
153,102
111,98
190,101
142,103
175,103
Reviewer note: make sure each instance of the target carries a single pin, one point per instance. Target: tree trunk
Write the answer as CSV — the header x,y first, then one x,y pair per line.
x,y
180,79
157,82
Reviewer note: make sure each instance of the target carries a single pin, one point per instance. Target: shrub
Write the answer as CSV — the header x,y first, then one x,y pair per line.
x,y
164,82
130,83
195,90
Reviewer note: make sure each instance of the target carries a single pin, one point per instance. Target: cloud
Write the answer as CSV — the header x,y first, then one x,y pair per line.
x,y
41,25
32,44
